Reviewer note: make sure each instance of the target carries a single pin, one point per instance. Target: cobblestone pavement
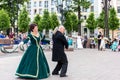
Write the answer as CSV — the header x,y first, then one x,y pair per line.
x,y
84,64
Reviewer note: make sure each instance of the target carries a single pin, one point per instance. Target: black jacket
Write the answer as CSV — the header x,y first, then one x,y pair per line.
x,y
59,44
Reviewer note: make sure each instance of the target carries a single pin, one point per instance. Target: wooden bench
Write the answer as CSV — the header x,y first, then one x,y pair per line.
x,y
6,43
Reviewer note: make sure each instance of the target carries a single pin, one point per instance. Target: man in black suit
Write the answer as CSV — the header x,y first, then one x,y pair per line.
x,y
58,54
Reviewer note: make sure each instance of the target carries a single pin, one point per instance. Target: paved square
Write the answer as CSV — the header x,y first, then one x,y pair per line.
x,y
84,64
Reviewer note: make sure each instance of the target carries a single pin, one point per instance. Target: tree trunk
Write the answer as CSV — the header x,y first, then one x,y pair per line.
x,y
112,34
79,18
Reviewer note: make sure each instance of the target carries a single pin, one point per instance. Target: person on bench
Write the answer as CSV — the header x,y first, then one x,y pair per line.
x,y
92,43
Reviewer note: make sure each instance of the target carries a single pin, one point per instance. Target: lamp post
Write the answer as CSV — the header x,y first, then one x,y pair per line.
x,y
106,6
61,8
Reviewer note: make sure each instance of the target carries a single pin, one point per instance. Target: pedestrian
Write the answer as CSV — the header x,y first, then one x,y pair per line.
x,y
58,54
102,43
79,42
33,63
85,41
114,45
119,45
99,40
92,43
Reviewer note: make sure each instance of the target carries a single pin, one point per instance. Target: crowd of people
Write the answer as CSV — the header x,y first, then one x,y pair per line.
x,y
105,43
100,42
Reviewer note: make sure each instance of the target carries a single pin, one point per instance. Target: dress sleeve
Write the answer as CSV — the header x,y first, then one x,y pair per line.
x,y
27,39
42,38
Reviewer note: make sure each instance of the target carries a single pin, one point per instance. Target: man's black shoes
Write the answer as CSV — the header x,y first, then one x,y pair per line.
x,y
55,73
63,75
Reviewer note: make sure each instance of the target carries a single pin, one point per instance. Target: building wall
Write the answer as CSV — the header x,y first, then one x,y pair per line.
x,y
38,6
96,7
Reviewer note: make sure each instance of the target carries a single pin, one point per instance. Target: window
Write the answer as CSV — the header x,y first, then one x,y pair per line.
x,y
118,9
40,11
92,8
29,5
30,12
52,9
52,2
40,3
35,4
84,10
46,4
92,1
85,17
35,11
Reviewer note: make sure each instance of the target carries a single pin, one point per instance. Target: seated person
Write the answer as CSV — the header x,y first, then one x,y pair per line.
x,y
114,45
92,43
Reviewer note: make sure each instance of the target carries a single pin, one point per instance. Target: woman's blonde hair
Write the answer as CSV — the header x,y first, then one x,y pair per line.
x,y
55,30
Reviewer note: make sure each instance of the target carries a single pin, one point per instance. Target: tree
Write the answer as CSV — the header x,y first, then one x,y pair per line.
x,y
70,22
113,21
74,21
100,20
4,20
91,23
54,20
46,21
37,20
78,4
12,7
23,20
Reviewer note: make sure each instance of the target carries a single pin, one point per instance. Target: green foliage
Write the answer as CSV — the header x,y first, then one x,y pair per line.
x,y
37,20
12,7
78,4
100,20
4,20
71,22
113,20
54,20
46,21
23,20
91,23
84,3
74,21
68,22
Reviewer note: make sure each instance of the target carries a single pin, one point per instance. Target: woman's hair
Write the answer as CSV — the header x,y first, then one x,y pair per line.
x,y
32,26
55,30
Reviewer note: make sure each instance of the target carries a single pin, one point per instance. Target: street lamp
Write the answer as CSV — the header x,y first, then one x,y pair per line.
x,y
106,6
61,7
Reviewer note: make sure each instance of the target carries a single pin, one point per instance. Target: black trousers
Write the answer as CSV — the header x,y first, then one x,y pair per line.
x,y
61,66
84,44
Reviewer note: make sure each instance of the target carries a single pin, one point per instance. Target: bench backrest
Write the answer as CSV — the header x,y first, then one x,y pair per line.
x,y
5,41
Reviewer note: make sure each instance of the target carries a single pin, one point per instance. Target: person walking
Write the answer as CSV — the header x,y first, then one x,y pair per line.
x,y
33,64
58,54
79,42
85,41
99,40
102,43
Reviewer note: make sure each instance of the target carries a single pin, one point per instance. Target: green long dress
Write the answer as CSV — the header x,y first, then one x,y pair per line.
x,y
33,63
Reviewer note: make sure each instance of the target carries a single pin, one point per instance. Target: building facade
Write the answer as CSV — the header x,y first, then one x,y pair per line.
x,y
38,6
